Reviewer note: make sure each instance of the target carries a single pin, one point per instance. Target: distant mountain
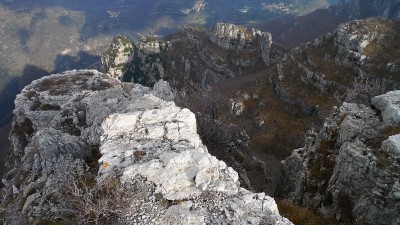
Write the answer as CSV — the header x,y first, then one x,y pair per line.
x,y
374,8
57,35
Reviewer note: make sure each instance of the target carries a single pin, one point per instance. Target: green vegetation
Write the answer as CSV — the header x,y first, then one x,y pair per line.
x,y
150,39
123,40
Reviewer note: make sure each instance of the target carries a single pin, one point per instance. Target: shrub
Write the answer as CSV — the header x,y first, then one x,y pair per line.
x,y
85,201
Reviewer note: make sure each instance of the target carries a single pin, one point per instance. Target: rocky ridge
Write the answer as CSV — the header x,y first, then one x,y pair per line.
x,y
356,56
64,120
350,169
196,54
239,38
210,56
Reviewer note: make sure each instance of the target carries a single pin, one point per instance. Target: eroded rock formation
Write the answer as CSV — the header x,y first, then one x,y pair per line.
x,y
61,122
120,53
350,169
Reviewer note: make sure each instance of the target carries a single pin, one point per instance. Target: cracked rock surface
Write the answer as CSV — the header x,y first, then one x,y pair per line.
x,y
350,169
62,121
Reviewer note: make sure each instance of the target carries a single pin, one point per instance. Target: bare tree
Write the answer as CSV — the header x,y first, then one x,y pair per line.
x,y
211,110
361,90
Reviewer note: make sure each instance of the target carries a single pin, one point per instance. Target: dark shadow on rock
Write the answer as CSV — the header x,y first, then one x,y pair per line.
x,y
7,96
14,87
4,149
83,60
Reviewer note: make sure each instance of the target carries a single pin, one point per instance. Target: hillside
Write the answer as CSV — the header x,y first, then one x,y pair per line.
x,y
219,82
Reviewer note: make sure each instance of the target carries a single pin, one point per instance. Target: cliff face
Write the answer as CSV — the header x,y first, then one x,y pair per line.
x,y
120,53
374,8
139,63
359,55
350,170
193,53
230,36
223,52
238,38
82,123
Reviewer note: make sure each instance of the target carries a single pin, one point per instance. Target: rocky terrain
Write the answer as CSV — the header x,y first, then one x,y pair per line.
x,y
191,60
129,137
118,55
350,169
198,55
225,51
86,133
354,63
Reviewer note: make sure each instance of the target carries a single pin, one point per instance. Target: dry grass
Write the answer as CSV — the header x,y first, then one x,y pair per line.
x,y
305,216
321,168
383,134
283,133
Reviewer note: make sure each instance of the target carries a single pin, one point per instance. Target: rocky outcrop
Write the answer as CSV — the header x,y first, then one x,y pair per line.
x,y
352,39
265,39
151,45
374,8
146,67
239,38
352,64
120,53
230,36
61,122
349,170
389,106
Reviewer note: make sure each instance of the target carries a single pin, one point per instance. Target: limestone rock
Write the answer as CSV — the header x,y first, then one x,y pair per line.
x,y
346,171
160,143
118,55
230,36
353,37
61,121
265,44
392,145
239,38
389,105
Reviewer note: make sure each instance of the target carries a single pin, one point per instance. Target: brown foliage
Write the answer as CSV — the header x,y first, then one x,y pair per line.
x,y
305,216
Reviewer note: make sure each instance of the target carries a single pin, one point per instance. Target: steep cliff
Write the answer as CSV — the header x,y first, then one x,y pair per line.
x,y
223,52
120,53
239,38
138,63
356,62
91,148
374,8
350,169
194,54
